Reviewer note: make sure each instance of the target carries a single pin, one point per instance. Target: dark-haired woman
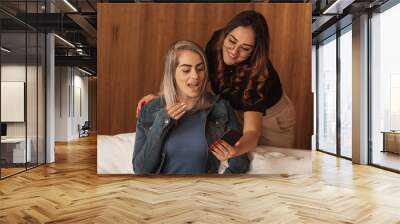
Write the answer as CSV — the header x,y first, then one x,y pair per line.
x,y
242,73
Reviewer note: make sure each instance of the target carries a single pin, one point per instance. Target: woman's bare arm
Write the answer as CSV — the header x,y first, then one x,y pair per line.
x,y
144,101
251,133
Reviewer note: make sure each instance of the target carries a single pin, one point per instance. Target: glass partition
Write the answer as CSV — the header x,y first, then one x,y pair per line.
x,y
14,154
385,89
327,95
346,93
22,88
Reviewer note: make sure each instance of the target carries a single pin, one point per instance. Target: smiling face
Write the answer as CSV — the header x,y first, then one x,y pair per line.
x,y
238,45
189,75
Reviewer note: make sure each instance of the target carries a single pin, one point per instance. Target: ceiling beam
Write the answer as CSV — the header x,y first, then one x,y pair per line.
x,y
84,24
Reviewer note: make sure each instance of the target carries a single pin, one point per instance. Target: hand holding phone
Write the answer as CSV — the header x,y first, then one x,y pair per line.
x,y
223,148
231,137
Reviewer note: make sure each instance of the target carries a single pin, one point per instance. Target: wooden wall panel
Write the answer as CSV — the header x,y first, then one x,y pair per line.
x,y
133,39
92,85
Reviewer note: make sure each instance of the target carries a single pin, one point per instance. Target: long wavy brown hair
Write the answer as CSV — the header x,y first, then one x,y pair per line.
x,y
250,75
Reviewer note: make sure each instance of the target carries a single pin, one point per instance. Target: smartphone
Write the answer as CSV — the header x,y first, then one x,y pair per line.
x,y
231,137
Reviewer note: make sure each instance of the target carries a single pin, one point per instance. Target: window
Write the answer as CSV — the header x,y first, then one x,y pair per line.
x,y
327,95
334,137
385,88
346,93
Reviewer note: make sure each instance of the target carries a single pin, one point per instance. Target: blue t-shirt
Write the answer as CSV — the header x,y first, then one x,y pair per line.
x,y
186,147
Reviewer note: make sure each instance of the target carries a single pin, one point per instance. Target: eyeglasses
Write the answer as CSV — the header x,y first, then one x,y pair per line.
x,y
243,51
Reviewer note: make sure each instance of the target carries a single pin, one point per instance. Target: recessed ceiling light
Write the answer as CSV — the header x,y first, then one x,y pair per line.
x,y
5,50
84,71
337,7
70,5
64,40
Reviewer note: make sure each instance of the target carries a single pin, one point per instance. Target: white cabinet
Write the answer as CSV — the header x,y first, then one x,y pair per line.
x,y
16,148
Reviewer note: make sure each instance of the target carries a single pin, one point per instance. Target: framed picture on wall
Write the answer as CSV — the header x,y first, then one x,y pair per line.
x,y
12,101
211,68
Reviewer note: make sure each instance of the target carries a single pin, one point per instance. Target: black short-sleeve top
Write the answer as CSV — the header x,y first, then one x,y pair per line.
x,y
272,87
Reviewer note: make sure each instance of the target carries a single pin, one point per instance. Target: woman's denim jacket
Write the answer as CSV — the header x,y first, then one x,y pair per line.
x,y
154,124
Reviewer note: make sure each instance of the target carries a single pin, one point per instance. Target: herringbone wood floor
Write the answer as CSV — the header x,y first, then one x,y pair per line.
x,y
70,191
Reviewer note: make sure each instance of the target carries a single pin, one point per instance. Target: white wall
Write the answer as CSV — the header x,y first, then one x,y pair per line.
x,y
16,73
79,117
71,87
33,126
13,72
62,81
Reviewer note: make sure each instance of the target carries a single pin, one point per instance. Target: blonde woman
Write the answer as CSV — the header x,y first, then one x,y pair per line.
x,y
175,131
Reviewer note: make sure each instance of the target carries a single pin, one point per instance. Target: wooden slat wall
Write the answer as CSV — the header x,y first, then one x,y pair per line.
x,y
133,39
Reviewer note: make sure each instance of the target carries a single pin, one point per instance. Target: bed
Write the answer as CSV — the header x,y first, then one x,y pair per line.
x,y
114,156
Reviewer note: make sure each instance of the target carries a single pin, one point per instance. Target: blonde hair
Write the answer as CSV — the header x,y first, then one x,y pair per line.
x,y
168,85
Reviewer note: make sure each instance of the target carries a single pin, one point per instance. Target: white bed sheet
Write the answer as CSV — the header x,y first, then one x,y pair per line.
x,y
114,156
